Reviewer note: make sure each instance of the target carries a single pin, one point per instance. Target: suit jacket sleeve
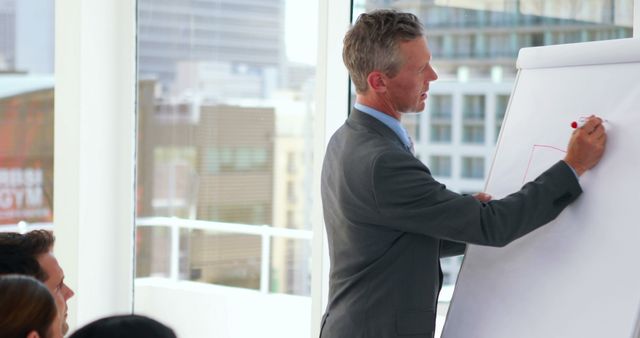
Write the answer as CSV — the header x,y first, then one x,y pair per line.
x,y
409,199
451,248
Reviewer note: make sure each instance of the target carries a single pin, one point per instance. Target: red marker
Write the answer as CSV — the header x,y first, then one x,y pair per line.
x,y
581,121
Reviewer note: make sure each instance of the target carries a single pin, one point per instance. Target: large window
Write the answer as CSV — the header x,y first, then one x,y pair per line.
x,y
440,166
473,116
473,167
440,109
224,164
26,114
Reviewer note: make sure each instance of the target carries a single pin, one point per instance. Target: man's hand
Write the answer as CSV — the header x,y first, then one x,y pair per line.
x,y
482,197
586,145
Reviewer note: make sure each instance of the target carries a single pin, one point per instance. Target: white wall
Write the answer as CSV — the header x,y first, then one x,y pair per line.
x,y
205,310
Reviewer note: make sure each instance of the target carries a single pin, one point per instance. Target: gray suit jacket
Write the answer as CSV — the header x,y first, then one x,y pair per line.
x,y
389,222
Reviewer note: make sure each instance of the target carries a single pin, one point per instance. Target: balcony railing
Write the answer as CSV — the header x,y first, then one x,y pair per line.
x,y
266,233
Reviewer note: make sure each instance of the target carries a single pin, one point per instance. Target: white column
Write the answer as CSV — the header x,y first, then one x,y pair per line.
x,y
331,110
94,154
636,18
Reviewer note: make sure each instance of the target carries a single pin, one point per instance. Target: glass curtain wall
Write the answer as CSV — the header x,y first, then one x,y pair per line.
x,y
26,114
474,46
224,159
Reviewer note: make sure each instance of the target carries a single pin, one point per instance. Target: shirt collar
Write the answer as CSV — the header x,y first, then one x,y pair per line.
x,y
389,121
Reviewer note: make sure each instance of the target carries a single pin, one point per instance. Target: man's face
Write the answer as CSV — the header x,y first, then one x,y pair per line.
x,y
55,282
54,330
407,90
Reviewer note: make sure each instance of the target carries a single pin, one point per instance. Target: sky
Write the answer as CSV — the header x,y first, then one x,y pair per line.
x,y
301,30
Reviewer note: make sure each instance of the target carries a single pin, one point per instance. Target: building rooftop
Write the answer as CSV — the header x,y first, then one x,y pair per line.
x,y
16,84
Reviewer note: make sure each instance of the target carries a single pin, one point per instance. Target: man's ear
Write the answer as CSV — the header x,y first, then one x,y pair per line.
x,y
33,334
377,81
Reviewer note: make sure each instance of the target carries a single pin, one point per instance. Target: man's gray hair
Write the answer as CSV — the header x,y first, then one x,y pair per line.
x,y
372,44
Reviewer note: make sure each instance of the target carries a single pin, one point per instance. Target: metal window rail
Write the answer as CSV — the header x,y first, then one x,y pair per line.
x,y
266,233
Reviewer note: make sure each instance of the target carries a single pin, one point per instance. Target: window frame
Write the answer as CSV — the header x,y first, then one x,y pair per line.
x,y
94,151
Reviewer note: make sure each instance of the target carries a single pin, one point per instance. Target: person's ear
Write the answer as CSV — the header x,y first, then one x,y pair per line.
x,y
377,81
33,334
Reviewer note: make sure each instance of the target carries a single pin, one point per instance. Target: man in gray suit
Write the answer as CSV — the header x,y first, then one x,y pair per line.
x,y
388,221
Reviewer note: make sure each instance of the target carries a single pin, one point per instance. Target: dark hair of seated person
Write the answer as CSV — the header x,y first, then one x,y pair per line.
x,y
19,252
124,326
26,308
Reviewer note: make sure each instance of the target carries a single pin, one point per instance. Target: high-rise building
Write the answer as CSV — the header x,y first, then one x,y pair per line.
x,y
247,36
7,35
26,36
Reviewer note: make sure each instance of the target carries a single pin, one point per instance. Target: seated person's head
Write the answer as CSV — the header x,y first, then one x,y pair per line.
x,y
124,326
31,254
27,309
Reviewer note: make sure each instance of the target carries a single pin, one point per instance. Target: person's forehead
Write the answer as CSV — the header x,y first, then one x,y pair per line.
x,y
50,265
416,49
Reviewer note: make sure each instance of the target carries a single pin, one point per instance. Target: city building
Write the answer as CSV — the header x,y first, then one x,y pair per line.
x,y
292,199
242,37
194,162
26,36
26,148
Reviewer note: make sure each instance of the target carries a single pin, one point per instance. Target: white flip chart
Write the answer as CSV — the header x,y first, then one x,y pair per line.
x,y
578,276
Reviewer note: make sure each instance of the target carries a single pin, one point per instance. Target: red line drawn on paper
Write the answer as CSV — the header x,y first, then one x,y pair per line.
x,y
533,149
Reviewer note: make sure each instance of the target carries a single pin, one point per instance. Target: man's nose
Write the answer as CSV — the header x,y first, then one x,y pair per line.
x,y
68,293
433,75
